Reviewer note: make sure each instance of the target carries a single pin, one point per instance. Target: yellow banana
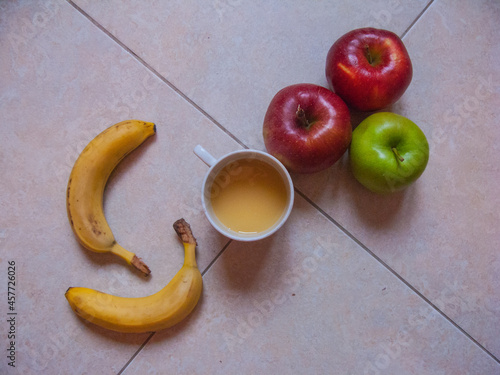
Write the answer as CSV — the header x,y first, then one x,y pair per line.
x,y
84,195
145,314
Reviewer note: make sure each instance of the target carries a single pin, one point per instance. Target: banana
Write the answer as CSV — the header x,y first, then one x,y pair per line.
x,y
84,194
145,314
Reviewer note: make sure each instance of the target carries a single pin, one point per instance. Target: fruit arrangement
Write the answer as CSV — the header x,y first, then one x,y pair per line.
x,y
307,127
84,202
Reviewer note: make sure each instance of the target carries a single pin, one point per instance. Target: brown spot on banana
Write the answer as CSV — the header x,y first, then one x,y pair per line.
x,y
95,225
69,186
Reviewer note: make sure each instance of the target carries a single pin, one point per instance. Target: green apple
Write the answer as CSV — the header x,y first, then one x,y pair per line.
x,y
388,152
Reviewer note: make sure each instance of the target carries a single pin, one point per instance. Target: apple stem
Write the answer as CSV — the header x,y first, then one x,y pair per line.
x,y
397,154
369,55
301,116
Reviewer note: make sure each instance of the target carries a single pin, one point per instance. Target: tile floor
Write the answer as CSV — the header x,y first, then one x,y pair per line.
x,y
353,283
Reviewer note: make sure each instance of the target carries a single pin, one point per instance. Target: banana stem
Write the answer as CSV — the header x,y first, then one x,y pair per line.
x,y
183,230
368,54
130,258
140,265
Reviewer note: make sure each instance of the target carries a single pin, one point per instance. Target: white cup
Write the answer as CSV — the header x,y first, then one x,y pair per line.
x,y
210,188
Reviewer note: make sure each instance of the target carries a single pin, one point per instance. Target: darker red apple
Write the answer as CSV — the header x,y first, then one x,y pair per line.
x,y
369,68
307,127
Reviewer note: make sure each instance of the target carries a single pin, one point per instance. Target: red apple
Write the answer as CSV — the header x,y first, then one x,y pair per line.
x,y
307,127
369,68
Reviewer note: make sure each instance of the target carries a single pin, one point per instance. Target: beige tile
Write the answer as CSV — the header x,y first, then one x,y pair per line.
x,y
63,82
241,53
309,300
442,233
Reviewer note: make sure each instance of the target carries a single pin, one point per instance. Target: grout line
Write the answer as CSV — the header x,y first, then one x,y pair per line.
x,y
136,353
216,257
157,74
391,270
416,19
328,217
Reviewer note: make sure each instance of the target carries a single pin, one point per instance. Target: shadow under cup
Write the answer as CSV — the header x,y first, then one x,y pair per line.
x,y
230,167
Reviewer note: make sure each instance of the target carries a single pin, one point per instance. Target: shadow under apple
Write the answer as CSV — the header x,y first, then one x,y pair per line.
x,y
378,210
337,189
358,116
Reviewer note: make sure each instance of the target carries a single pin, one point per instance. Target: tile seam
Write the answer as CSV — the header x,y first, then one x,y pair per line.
x,y
416,19
314,205
124,368
152,70
183,96
398,276
207,268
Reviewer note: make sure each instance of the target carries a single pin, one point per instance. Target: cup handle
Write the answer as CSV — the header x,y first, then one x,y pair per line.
x,y
204,155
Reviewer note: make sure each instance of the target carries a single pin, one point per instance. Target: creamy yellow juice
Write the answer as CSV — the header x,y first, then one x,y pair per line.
x,y
248,196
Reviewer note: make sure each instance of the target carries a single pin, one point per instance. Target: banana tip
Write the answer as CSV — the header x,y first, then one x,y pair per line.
x,y
140,265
